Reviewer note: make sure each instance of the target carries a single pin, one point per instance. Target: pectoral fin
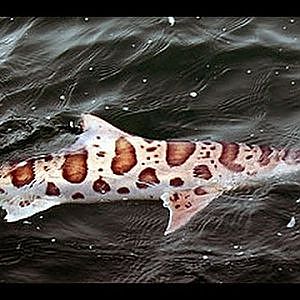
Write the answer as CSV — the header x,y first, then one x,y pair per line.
x,y
184,204
21,207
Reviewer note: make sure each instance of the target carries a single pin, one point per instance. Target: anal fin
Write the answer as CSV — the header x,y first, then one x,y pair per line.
x,y
21,207
184,204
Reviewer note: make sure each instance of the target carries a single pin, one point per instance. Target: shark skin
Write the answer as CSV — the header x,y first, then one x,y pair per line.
x,y
107,164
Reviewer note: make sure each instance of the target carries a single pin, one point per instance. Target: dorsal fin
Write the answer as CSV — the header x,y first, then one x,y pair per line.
x,y
93,126
92,123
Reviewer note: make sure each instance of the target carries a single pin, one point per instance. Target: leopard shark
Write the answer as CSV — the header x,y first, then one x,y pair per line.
x,y
107,164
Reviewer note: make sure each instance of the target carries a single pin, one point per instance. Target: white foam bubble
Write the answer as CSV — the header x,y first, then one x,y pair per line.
x,y
291,223
171,20
193,94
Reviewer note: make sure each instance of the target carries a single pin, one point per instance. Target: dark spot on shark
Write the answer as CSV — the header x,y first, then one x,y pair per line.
x,y
177,206
78,195
147,177
101,154
202,171
2,191
207,154
123,190
188,204
141,185
177,181
101,186
174,197
74,168
48,158
249,157
229,153
24,203
151,149
22,175
199,191
179,152
52,189
264,157
125,158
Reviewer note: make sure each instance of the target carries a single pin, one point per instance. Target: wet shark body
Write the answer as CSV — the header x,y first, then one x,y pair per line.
x,y
107,164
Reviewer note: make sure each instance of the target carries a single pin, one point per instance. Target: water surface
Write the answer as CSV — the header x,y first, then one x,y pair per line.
x,y
234,79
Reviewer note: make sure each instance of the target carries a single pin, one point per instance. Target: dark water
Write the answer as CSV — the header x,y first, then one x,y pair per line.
x,y
219,78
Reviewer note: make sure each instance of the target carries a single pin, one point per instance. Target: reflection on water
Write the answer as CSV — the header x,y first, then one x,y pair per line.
x,y
199,77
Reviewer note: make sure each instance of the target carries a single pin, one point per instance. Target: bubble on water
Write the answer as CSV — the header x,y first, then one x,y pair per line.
x,y
90,247
205,257
133,45
126,108
11,19
240,253
248,71
252,135
292,20
287,67
198,18
279,233
261,130
48,117
27,222
106,107
38,228
144,80
298,200
171,20
125,198
276,72
280,49
279,269
33,108
236,247
41,217
86,19
193,94
284,27
207,66
62,97
53,240
91,68
292,223
71,124
93,101
293,82
224,29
